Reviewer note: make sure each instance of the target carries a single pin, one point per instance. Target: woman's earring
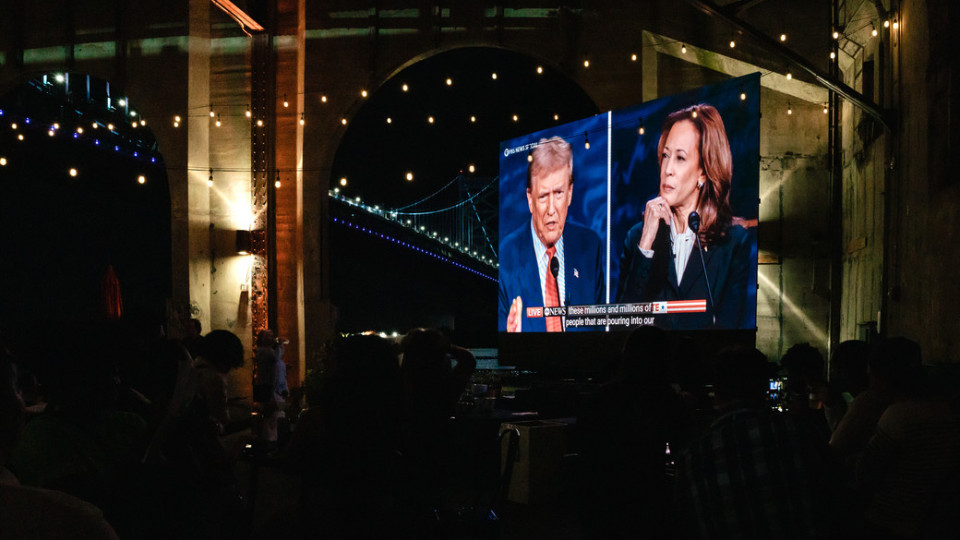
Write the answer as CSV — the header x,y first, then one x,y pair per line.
x,y
700,185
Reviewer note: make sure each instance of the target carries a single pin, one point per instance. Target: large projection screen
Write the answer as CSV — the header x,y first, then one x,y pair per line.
x,y
597,228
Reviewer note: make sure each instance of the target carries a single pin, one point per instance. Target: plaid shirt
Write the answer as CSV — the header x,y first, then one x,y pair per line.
x,y
757,474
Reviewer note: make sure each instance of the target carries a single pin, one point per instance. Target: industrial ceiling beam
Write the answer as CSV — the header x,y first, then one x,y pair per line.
x,y
826,80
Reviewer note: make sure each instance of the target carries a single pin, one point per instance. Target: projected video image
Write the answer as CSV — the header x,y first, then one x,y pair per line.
x,y
642,216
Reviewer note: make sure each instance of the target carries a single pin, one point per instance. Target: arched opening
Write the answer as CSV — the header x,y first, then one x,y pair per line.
x,y
433,131
87,196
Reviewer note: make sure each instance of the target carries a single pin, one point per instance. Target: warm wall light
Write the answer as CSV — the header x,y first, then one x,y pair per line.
x,y
244,242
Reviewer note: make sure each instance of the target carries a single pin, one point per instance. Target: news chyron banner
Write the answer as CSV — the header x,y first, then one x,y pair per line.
x,y
573,205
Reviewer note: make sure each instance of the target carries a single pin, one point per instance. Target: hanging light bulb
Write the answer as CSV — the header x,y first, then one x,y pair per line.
x,y
429,119
493,75
211,111
789,109
836,35
833,55
3,162
248,113
743,95
694,113
539,70
285,102
409,176
472,168
95,125
218,123
783,37
733,44
556,117
586,63
143,122
343,121
516,118
789,75
826,108
302,119
529,157
210,179
277,184
886,23
873,32
141,179
896,24
363,93
80,130
473,119
343,181
449,81
323,99
683,48
259,122
72,172
586,141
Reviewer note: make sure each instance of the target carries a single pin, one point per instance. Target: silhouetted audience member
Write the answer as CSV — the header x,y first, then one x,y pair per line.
x,y
81,444
432,386
915,448
270,384
806,380
29,513
756,473
220,352
625,432
345,447
848,378
870,399
192,336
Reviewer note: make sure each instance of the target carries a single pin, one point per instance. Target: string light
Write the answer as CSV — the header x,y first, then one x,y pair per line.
x,y
277,184
95,125
343,121
59,77
789,108
539,70
886,23
472,168
134,124
211,111
743,95
826,108
56,125
141,179
405,87
473,119
873,30
51,132
218,123
248,113
122,102
833,55
516,118
285,102
143,122
363,93
302,119
13,126
783,37
789,75
20,137
3,162
586,63
896,24
343,181
493,75
80,130
409,176
259,122
389,120
683,48
836,35
733,44
586,142
210,179
323,99
633,57
449,81
72,172
556,117
429,119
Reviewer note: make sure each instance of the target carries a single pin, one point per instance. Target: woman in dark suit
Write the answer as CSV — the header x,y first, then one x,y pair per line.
x,y
660,260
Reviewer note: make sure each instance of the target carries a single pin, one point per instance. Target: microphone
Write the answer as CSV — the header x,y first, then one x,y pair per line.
x,y
555,270
693,221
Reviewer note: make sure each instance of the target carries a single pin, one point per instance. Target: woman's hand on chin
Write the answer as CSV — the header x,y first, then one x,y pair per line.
x,y
657,209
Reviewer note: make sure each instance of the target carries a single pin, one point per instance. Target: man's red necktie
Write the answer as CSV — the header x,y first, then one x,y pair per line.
x,y
552,298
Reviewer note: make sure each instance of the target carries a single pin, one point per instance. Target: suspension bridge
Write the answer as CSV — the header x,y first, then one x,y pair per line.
x,y
456,223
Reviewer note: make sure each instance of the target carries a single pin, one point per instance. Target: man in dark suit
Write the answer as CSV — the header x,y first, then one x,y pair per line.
x,y
528,254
